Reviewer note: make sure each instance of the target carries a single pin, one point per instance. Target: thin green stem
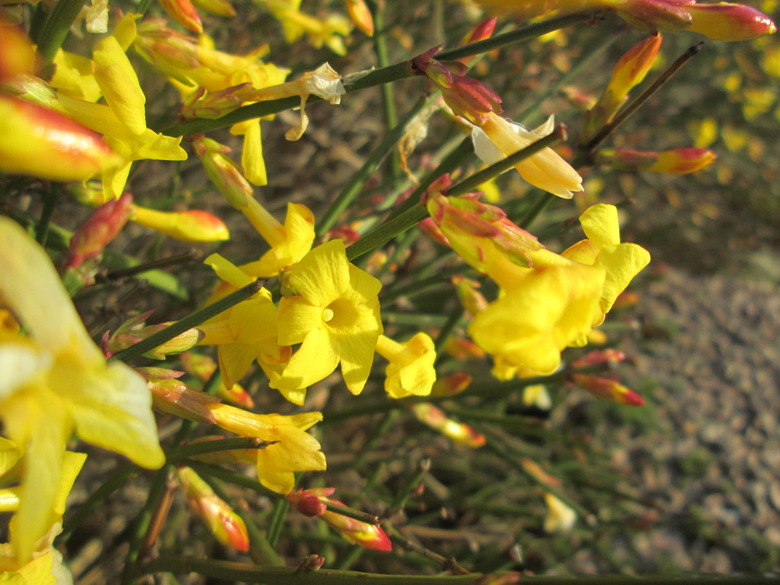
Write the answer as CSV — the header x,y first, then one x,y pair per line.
x,y
381,76
49,203
387,231
544,200
388,96
229,571
204,447
356,182
56,28
277,521
586,154
188,322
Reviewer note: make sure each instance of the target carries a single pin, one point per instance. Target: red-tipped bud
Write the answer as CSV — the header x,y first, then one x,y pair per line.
x,y
598,358
535,470
127,336
44,143
682,161
466,96
223,172
361,16
191,226
666,15
183,12
452,384
473,300
92,236
730,22
217,515
16,52
437,419
483,30
308,502
608,389
679,161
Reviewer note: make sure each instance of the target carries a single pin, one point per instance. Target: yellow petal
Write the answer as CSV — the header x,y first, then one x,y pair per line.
x,y
600,224
112,409
252,155
119,84
30,286
622,264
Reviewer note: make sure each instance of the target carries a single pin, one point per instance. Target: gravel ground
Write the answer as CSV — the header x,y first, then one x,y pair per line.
x,y
710,344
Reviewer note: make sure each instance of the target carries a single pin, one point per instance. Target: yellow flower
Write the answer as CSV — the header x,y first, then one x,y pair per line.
x,y
248,332
621,262
411,371
331,308
122,120
56,382
497,138
293,450
547,310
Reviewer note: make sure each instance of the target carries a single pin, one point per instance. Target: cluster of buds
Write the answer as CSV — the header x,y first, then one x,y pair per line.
x,y
316,503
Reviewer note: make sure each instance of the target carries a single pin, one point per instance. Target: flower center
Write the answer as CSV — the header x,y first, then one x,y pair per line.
x,y
340,314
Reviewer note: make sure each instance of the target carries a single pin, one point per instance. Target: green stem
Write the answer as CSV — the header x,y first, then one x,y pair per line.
x,y
56,28
277,521
204,447
356,182
388,96
379,76
230,571
586,154
188,322
387,231
49,203
541,204
74,518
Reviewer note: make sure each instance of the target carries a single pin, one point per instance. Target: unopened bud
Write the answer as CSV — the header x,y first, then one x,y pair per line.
x,y
451,385
308,502
183,12
217,515
729,22
598,358
361,16
175,397
102,226
607,389
437,419
43,143
16,52
191,226
471,299
679,161
218,7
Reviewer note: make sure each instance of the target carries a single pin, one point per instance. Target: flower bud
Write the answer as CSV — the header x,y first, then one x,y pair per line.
x,y
16,53
175,397
308,502
191,226
361,16
218,7
223,172
437,419
452,384
202,367
608,389
729,22
183,12
217,515
98,230
44,143
666,15
679,161
560,516
598,358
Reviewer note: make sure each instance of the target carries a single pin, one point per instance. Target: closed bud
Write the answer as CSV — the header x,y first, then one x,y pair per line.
x,y
361,16
183,12
102,226
655,15
598,358
43,143
471,299
217,515
730,22
175,397
223,172
452,384
16,52
191,226
607,389
682,161
308,502
437,419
